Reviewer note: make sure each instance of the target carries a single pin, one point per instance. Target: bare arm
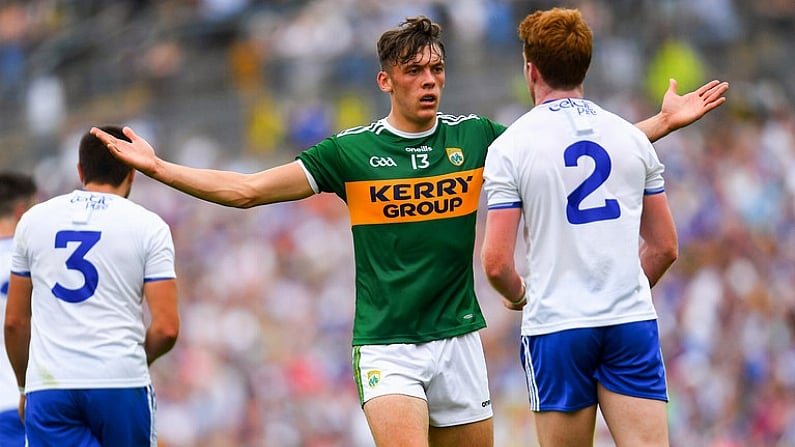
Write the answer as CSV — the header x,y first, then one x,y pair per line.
x,y
497,255
659,247
161,335
17,330
279,184
17,324
678,111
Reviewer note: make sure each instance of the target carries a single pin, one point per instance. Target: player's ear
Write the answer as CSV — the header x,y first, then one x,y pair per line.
x,y
128,182
80,174
384,81
20,208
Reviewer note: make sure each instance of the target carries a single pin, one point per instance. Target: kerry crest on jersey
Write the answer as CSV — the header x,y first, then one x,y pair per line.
x,y
455,155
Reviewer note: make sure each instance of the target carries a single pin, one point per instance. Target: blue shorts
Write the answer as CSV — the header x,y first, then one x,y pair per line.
x,y
118,417
563,368
12,432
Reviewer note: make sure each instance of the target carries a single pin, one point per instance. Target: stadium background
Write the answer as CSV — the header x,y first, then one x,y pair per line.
x,y
267,294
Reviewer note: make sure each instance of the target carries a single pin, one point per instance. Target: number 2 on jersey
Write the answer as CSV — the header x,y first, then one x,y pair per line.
x,y
77,261
602,167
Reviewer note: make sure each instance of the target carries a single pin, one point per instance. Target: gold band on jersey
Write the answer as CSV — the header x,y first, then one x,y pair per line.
x,y
414,199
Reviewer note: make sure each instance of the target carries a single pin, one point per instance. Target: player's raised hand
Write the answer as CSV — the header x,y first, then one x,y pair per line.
x,y
681,110
137,152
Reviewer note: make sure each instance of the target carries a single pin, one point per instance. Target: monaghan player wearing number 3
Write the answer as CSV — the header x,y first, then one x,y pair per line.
x,y
83,264
599,235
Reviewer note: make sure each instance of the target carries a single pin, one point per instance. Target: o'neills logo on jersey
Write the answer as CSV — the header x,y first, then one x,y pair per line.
x,y
414,199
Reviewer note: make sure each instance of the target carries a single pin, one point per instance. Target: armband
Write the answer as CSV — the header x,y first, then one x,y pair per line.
x,y
21,390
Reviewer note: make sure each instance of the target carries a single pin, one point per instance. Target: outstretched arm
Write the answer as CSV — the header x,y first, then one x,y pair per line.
x,y
279,184
678,111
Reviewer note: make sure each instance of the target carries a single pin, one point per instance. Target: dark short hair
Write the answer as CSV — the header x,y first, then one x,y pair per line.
x,y
99,165
15,187
400,45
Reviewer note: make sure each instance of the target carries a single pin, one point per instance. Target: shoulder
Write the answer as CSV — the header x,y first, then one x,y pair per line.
x,y
374,128
465,120
45,209
620,125
143,213
472,125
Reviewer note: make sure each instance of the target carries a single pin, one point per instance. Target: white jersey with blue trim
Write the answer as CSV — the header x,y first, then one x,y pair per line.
x,y
9,395
88,255
579,173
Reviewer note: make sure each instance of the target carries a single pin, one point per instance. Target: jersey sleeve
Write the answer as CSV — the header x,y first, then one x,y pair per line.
x,y
493,128
160,253
20,262
500,181
322,162
655,183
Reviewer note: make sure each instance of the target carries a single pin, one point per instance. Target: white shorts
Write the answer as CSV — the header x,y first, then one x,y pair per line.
x,y
450,374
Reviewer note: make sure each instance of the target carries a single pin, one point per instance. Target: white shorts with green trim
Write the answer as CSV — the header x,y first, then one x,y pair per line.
x,y
449,374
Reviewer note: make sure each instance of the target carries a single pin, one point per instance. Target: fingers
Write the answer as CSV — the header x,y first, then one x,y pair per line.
x,y
717,91
713,88
706,87
129,133
711,105
672,85
712,96
106,138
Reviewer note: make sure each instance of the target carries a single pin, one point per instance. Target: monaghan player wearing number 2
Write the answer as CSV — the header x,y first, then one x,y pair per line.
x,y
599,235
83,264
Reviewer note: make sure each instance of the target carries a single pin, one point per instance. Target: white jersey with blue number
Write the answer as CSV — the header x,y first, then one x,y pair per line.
x,y
88,256
9,395
579,173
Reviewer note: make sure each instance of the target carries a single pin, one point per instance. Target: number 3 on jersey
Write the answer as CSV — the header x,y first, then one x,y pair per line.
x,y
602,167
77,261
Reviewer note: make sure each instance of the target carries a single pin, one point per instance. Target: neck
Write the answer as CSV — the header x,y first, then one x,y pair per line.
x,y
7,227
121,190
543,95
409,126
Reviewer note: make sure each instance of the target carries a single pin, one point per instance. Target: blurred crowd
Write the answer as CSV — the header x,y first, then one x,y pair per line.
x,y
267,293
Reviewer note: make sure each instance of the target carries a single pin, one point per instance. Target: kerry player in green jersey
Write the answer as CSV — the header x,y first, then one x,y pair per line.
x,y
412,182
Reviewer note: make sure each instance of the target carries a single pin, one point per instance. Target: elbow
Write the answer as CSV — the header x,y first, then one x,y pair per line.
x,y
673,254
243,194
493,273
13,326
244,199
167,334
494,267
170,335
670,253
245,204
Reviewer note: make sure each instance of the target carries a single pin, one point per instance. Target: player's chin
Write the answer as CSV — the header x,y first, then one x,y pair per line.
x,y
427,111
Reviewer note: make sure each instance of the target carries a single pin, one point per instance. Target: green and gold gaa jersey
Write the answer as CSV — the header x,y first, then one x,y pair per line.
x,y
413,202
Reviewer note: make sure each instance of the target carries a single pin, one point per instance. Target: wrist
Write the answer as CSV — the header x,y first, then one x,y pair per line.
x,y
522,295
